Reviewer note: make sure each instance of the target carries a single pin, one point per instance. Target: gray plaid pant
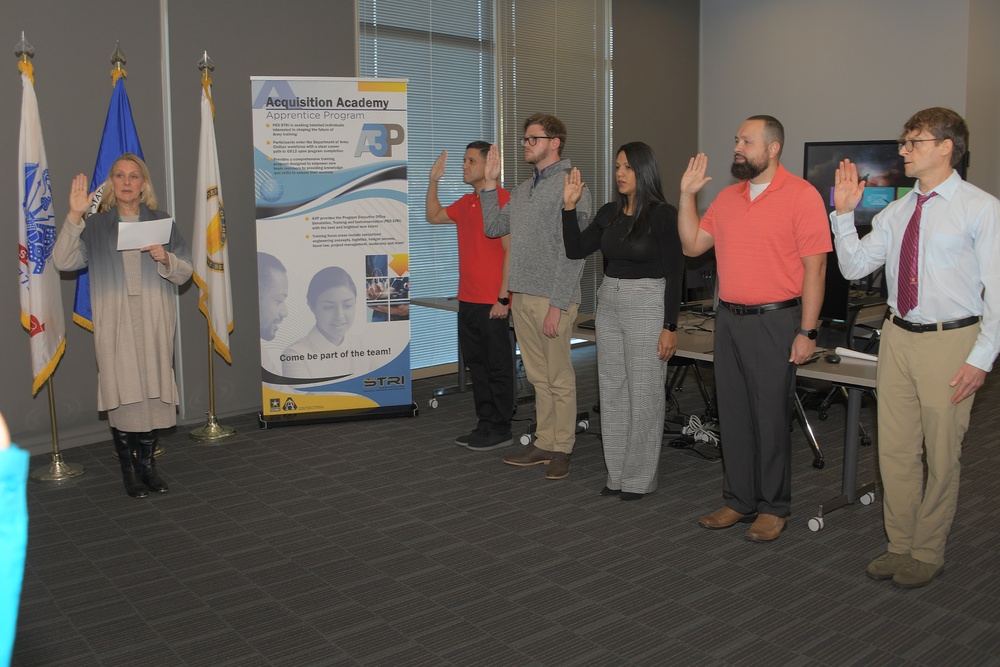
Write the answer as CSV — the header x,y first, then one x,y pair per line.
x,y
632,378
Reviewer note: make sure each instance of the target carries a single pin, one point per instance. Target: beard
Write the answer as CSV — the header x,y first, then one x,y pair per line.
x,y
537,157
748,169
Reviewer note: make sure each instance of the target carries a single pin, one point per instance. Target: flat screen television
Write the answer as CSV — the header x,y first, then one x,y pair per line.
x,y
881,166
878,163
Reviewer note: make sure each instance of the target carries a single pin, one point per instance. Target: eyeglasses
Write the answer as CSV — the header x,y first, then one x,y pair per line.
x,y
531,141
908,145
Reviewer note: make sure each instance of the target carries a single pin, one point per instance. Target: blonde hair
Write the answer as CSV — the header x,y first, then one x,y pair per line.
x,y
147,196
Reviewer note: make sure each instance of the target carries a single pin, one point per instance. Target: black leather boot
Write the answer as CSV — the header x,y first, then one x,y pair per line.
x,y
147,463
130,467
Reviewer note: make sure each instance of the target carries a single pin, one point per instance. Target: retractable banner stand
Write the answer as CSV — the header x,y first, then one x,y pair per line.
x,y
333,250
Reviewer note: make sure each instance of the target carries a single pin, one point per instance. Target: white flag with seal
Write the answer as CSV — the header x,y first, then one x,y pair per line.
x,y
210,252
41,295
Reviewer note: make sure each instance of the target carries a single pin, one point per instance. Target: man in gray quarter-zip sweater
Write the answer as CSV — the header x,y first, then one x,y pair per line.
x,y
545,284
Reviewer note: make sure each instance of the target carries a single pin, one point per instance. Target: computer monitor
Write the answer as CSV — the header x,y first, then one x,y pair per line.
x,y
881,166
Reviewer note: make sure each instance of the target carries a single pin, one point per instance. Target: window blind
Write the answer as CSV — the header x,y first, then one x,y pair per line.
x,y
471,71
445,49
555,57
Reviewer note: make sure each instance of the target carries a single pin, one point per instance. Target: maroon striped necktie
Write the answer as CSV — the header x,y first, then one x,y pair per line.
x,y
906,287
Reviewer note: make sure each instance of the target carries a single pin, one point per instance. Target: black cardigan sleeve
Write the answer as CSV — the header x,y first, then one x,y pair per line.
x,y
578,243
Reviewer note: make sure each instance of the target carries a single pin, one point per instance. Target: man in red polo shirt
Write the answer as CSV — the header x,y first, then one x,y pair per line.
x,y
771,241
483,301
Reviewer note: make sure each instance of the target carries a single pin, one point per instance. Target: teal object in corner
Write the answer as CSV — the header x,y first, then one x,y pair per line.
x,y
13,542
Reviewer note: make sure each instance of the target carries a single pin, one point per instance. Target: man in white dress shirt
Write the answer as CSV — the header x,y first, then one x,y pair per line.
x,y
940,245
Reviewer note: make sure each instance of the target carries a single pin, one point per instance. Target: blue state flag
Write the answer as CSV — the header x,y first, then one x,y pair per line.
x,y
119,137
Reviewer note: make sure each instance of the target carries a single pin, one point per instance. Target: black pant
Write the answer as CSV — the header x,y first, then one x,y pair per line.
x,y
486,347
755,384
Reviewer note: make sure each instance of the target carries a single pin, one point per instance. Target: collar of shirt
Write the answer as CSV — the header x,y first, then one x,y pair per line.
x,y
946,189
780,176
548,171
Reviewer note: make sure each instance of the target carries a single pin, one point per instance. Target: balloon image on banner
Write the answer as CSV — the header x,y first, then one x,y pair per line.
x,y
330,159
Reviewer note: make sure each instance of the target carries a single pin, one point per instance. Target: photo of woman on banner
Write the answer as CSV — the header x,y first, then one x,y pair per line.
x,y
327,351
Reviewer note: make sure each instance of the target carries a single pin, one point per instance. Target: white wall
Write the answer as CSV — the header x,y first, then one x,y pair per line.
x,y
829,71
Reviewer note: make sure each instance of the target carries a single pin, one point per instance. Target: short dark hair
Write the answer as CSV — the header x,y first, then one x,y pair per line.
x,y
330,277
774,131
482,146
267,267
552,126
944,124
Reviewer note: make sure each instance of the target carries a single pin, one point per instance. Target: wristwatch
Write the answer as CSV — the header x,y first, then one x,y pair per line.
x,y
670,327
503,301
808,333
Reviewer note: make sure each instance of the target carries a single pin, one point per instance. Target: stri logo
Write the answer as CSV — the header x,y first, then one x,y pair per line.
x,y
385,381
379,139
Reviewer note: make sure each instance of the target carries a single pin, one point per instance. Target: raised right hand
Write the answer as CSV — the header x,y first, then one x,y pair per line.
x,y
847,190
572,189
437,171
694,178
79,199
492,167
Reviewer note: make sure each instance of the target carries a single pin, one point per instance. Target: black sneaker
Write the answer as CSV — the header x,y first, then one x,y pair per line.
x,y
483,442
464,440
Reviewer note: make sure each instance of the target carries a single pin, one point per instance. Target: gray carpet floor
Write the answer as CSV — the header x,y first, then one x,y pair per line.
x,y
384,543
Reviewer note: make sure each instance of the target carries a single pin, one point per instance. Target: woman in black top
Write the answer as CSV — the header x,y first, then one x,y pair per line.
x,y
637,308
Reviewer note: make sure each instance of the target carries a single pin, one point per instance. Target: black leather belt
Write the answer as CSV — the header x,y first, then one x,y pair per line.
x,y
913,327
740,309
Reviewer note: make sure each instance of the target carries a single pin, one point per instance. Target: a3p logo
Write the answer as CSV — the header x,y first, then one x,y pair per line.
x,y
290,405
379,139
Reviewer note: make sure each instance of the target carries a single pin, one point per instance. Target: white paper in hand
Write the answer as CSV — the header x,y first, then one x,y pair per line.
x,y
135,235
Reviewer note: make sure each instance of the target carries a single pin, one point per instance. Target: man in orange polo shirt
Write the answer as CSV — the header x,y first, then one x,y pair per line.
x,y
771,241
483,301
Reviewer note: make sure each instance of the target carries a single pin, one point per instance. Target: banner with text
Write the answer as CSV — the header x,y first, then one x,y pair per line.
x,y
333,273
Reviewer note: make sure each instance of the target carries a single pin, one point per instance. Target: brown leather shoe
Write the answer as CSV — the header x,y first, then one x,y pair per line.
x,y
724,518
558,467
529,456
766,528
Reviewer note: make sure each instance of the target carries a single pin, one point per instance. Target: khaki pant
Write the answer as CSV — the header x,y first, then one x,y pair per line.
x,y
549,369
915,415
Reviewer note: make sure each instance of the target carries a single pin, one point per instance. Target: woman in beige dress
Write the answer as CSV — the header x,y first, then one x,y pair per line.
x,y
132,300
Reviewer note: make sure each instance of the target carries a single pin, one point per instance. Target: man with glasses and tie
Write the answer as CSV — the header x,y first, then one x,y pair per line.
x,y
545,286
940,244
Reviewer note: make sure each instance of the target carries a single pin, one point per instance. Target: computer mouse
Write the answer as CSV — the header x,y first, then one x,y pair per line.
x,y
833,358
